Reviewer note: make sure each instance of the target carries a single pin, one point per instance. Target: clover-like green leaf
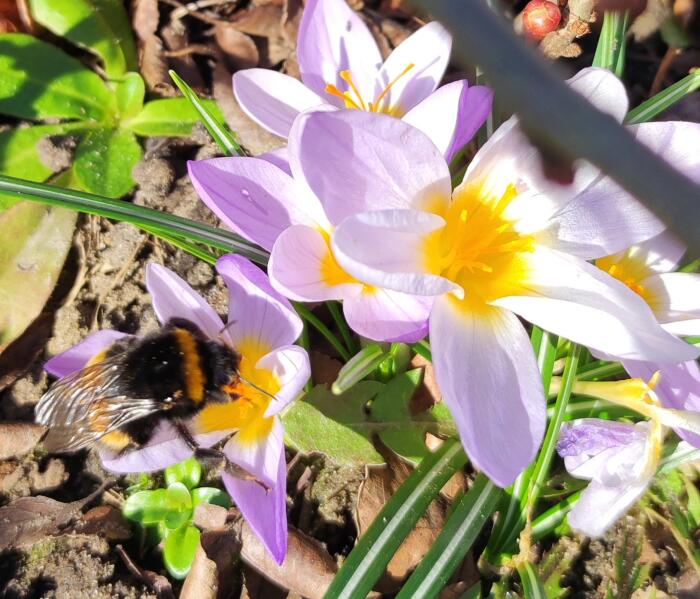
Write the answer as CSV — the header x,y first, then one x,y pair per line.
x,y
187,472
210,495
146,507
104,161
101,26
39,81
401,430
179,550
336,425
179,505
130,92
171,117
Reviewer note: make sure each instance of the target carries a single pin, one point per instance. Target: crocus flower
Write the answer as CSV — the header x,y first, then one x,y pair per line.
x,y
262,326
619,459
508,242
648,269
341,67
270,202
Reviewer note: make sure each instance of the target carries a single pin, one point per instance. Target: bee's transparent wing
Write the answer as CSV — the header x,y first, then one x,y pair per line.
x,y
84,406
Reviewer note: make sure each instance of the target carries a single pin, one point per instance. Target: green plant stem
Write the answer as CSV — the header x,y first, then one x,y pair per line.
x,y
374,550
532,585
422,348
315,322
337,314
594,371
157,222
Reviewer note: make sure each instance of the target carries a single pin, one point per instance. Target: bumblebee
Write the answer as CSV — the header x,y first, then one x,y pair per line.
x,y
118,400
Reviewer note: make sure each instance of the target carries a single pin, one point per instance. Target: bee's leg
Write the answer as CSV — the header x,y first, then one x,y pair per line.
x,y
215,457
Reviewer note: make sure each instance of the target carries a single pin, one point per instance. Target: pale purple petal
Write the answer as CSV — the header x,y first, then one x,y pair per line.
x,y
279,157
489,379
272,99
292,368
574,299
386,248
452,115
356,161
257,313
264,510
662,253
165,448
593,435
254,197
602,89
333,38
428,50
174,298
78,356
600,506
678,387
298,263
260,457
675,298
385,315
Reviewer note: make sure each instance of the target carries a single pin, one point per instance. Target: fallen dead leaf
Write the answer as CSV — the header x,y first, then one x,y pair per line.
x,y
18,438
291,18
9,17
177,41
428,393
29,519
106,521
263,21
649,21
240,50
324,369
152,63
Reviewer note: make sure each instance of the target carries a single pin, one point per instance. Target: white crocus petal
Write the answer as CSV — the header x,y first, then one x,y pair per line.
x,y
386,249
333,38
290,366
601,506
260,457
489,379
576,300
428,50
301,267
272,99
675,298
602,89
661,253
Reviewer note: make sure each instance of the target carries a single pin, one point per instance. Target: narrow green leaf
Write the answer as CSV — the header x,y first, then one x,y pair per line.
x,y
458,535
187,472
101,26
374,550
532,585
210,495
318,324
154,220
39,81
362,364
169,117
222,135
335,425
610,52
179,550
683,453
35,243
401,430
664,99
104,161
130,92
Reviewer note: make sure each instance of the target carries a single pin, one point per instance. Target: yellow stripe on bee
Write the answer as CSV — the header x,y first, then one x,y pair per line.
x,y
192,365
97,358
116,440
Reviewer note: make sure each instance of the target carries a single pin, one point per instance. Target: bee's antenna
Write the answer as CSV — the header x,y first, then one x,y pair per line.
x,y
225,328
254,386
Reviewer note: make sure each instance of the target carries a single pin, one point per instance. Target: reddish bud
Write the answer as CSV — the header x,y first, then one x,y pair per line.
x,y
540,17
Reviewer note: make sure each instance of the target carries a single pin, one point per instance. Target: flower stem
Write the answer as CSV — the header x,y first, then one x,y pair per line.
x,y
314,321
337,314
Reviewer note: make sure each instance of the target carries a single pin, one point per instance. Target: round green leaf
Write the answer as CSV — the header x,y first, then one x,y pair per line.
x,y
130,92
188,472
210,495
179,551
146,507
101,26
179,505
168,117
40,81
104,161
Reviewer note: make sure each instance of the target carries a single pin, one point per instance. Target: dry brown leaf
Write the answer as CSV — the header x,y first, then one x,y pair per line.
x,y
379,485
177,40
153,66
106,521
9,17
307,570
239,49
263,21
18,438
19,356
428,394
291,17
29,519
324,369
649,21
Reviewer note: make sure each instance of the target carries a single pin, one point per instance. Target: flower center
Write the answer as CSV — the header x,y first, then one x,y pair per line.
x,y
629,268
478,248
353,97
254,390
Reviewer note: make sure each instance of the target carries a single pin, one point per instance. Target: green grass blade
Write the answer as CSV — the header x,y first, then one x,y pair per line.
x,y
610,52
664,99
154,220
336,310
374,550
317,323
222,135
358,367
532,585
456,538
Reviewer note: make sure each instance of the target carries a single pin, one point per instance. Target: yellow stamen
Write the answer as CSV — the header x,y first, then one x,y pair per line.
x,y
345,96
347,77
374,106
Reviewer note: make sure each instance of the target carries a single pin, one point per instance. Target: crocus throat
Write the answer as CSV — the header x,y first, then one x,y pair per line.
x,y
353,98
246,412
478,248
630,268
